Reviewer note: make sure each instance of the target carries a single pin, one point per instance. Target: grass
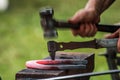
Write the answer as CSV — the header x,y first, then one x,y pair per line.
x,y
21,37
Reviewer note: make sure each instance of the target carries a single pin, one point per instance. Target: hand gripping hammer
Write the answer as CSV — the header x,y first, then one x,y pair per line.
x,y
49,24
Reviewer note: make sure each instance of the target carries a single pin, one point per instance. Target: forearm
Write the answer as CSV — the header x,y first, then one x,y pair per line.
x,y
98,5
107,4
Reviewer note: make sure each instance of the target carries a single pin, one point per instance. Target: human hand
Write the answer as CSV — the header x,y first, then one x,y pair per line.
x,y
88,18
115,35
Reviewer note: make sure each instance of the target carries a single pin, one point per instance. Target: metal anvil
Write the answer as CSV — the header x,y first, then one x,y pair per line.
x,y
96,44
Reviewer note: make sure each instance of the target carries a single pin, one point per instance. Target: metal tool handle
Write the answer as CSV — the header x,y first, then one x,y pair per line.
x,y
100,27
96,43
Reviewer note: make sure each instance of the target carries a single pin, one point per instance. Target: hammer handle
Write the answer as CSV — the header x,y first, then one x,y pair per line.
x,y
100,27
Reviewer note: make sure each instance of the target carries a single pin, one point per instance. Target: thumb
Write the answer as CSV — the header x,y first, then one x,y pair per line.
x,y
97,20
108,36
73,20
76,18
113,35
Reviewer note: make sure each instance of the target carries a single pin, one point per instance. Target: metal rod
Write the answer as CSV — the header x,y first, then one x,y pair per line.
x,y
111,60
82,75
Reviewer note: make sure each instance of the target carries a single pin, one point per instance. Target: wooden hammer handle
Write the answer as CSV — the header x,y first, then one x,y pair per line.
x,y
100,27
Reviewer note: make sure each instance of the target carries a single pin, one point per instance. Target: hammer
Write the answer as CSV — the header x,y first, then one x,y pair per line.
x,y
49,24
53,46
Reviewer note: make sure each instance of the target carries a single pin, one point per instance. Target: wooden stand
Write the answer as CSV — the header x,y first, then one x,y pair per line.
x,y
33,74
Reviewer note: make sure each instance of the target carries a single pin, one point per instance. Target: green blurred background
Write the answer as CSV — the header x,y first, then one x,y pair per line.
x,y
21,37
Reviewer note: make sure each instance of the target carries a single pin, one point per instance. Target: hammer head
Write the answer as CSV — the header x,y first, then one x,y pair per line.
x,y
48,23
